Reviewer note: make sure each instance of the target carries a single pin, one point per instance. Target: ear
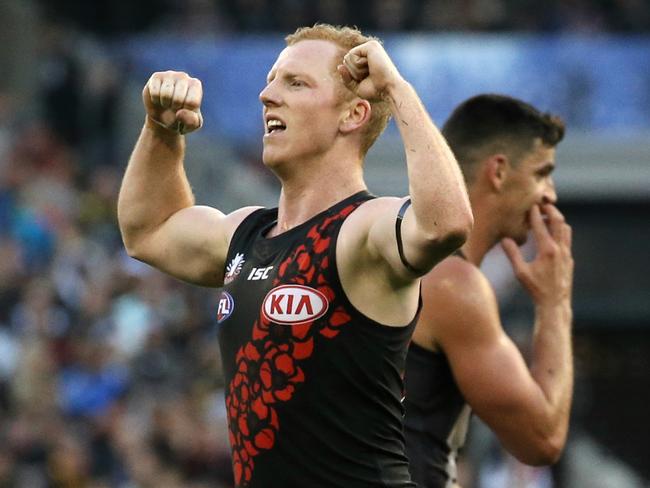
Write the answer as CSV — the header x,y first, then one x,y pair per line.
x,y
355,115
495,169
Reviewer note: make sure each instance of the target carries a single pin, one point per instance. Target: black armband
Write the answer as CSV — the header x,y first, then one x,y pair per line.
x,y
398,236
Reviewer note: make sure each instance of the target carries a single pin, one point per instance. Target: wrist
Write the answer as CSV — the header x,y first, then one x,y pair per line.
x,y
559,312
159,129
396,89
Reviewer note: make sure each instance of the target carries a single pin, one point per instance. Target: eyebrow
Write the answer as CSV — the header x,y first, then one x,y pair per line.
x,y
548,167
290,75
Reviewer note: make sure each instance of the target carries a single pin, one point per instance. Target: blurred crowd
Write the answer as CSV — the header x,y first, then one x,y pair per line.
x,y
221,16
109,371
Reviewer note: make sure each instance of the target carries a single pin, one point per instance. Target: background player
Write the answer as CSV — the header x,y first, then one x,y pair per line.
x,y
461,360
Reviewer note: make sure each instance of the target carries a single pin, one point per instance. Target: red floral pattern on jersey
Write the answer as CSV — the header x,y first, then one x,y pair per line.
x,y
269,366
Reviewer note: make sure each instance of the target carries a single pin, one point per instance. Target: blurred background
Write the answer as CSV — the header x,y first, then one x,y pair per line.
x,y
110,372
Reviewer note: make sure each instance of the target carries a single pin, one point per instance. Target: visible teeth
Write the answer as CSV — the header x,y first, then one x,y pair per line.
x,y
273,124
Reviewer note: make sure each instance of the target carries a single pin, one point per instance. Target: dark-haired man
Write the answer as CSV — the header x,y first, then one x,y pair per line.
x,y
461,360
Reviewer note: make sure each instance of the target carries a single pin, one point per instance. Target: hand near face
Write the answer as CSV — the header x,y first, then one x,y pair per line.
x,y
173,100
549,276
368,71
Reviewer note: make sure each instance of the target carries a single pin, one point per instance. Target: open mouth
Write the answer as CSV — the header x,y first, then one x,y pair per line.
x,y
274,126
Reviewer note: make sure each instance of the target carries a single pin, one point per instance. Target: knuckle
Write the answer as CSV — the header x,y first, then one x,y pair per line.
x,y
550,252
520,274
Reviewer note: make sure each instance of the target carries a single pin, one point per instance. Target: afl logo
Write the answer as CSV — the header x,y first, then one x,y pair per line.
x,y
294,304
225,307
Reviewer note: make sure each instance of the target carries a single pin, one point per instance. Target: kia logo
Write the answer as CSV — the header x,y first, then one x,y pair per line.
x,y
294,304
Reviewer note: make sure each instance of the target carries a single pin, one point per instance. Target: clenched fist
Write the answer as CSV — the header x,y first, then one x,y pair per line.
x,y
368,70
172,100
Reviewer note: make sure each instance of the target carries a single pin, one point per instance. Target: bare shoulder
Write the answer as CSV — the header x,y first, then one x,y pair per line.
x,y
361,223
383,203
192,244
236,217
458,304
211,224
376,207
200,215
357,227
457,279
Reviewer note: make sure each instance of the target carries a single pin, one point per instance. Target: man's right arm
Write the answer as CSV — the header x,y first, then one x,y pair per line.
x,y
528,412
528,409
159,222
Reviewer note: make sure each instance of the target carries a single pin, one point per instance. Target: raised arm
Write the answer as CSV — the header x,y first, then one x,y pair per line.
x,y
528,409
440,217
159,222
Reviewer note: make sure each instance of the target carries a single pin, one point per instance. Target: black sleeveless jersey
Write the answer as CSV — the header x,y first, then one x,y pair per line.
x,y
437,418
313,387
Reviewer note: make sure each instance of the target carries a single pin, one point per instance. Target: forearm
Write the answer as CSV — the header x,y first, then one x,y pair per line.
x,y
155,185
436,184
552,364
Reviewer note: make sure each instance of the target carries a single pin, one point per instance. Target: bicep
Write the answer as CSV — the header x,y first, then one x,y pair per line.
x,y
494,379
393,241
192,244
496,383
424,251
396,238
487,366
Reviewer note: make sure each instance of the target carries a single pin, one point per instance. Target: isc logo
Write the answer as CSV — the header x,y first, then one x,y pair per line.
x,y
294,304
225,306
257,274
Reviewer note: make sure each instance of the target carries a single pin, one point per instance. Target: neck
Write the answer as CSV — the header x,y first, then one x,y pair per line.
x,y
314,188
485,232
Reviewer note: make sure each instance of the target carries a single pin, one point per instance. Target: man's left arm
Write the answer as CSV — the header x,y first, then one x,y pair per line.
x,y
440,217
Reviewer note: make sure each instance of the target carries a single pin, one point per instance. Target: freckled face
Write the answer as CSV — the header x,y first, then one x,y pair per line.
x,y
302,104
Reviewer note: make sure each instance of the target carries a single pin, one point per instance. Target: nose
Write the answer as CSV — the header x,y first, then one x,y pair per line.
x,y
269,95
549,195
